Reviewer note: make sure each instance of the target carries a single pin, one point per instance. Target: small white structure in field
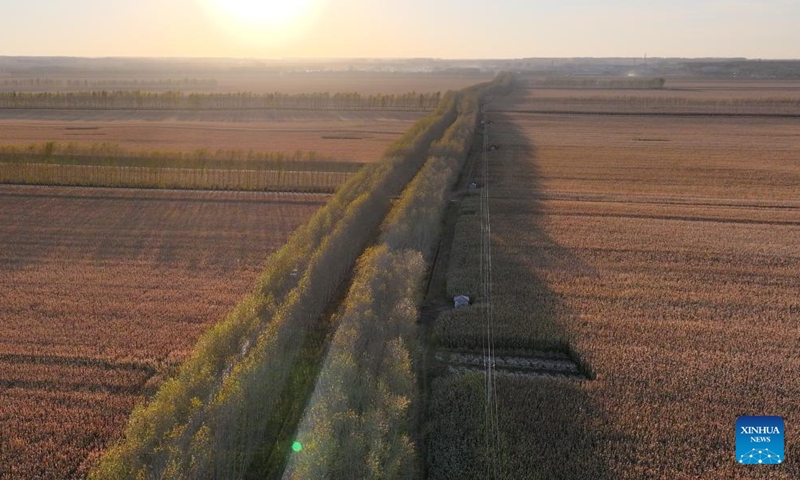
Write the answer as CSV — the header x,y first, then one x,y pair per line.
x,y
461,301
473,186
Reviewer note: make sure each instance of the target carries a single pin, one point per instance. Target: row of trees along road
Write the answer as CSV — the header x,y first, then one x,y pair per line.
x,y
214,418
212,415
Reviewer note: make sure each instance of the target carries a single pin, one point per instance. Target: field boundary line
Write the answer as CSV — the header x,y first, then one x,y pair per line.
x,y
650,114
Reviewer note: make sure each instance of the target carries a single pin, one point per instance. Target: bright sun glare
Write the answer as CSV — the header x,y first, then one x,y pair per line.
x,y
266,22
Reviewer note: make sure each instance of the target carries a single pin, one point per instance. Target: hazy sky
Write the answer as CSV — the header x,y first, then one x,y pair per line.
x,y
404,28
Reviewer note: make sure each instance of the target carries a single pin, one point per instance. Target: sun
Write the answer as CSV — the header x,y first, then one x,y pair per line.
x,y
267,22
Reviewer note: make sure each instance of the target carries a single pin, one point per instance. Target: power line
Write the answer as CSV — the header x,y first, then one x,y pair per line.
x,y
491,410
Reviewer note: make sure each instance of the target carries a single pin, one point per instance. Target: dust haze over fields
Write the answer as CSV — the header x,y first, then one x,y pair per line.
x,y
445,28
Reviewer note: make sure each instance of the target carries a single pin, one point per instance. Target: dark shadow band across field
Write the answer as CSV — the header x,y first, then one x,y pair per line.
x,y
546,426
651,260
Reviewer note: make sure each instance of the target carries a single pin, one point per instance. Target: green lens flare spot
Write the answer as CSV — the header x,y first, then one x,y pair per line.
x,y
297,446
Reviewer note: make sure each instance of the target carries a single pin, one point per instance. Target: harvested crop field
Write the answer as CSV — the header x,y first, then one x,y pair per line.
x,y
102,293
678,97
730,160
348,136
666,252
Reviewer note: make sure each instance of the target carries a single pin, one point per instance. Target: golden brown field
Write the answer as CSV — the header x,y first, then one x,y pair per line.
x,y
666,251
105,291
746,97
350,136
102,293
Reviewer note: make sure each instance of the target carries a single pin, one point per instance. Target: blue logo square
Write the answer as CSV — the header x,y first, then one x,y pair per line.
x,y
760,440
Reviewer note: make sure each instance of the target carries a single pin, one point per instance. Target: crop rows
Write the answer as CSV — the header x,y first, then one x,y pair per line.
x,y
102,293
670,268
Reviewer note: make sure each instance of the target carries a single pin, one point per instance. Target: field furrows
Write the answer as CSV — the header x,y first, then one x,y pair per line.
x,y
69,378
102,293
347,136
649,200
670,266
725,101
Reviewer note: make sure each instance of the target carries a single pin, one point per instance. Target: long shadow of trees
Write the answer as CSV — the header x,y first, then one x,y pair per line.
x,y
547,428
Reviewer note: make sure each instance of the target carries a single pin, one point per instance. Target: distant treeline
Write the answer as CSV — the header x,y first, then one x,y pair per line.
x,y
176,100
53,83
597,82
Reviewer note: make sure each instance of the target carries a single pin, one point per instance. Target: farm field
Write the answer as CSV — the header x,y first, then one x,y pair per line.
x,y
348,136
235,404
102,293
746,97
319,240
365,83
666,252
